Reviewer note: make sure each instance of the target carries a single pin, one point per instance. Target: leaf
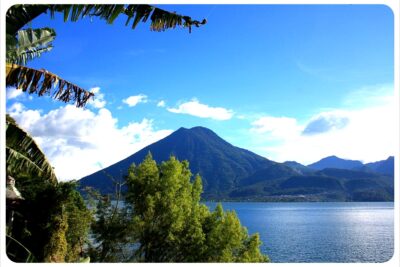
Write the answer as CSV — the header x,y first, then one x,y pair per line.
x,y
19,15
24,155
118,9
66,12
29,44
42,82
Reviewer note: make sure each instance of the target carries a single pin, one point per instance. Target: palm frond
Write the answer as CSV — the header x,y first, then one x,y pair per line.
x,y
18,16
23,155
44,82
29,54
35,38
160,19
29,44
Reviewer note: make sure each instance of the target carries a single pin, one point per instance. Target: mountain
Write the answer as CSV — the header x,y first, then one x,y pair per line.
x,y
300,168
232,173
221,165
335,162
383,166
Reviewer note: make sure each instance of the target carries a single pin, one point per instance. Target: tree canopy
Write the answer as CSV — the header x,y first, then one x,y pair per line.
x,y
171,223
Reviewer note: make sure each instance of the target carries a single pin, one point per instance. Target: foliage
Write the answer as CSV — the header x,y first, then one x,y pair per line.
x,y
24,155
232,173
56,249
44,82
53,221
79,219
221,165
28,44
111,231
173,226
19,15
23,45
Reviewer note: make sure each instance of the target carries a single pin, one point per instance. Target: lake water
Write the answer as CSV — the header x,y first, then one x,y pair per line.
x,y
320,232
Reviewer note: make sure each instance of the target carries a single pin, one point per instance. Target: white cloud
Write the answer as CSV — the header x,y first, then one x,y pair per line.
x,y
161,104
367,134
370,96
98,101
195,108
135,99
78,141
276,127
13,93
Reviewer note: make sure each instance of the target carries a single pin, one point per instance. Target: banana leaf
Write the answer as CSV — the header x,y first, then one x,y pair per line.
x,y
44,82
23,155
19,15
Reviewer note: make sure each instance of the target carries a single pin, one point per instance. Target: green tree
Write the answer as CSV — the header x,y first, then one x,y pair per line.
x,y
171,225
57,247
111,231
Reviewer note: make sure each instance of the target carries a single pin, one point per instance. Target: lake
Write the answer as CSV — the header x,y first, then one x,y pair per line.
x,y
320,232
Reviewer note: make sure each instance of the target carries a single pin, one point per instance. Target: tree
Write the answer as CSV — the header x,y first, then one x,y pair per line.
x,y
25,44
171,225
111,231
52,221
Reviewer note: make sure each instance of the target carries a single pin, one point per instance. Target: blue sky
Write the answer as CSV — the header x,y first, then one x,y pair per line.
x,y
289,82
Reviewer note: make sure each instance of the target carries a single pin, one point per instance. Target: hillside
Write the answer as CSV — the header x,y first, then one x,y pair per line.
x,y
221,165
232,173
335,162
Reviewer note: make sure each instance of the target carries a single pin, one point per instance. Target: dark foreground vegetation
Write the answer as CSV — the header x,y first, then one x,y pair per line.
x,y
161,219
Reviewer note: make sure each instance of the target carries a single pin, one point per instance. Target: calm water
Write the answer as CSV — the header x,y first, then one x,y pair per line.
x,y
320,232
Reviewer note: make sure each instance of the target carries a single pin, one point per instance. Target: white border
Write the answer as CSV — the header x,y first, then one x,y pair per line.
x,y
393,4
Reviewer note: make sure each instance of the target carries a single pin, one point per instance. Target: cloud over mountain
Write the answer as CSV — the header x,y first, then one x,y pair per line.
x,y
80,141
366,133
197,109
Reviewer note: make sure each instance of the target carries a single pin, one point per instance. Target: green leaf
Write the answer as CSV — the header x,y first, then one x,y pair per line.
x,y
117,10
23,155
29,44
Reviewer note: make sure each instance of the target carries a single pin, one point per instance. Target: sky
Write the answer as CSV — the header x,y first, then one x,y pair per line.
x,y
288,82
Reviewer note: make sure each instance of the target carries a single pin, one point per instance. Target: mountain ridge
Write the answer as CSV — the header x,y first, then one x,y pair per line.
x,y
335,162
232,173
227,160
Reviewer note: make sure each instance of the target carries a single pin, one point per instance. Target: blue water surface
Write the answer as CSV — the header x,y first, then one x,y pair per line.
x,y
320,232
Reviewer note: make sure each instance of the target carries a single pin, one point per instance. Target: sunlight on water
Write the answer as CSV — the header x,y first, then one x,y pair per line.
x,y
320,232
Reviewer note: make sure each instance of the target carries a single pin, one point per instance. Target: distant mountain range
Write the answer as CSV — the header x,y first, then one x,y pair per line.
x,y
335,162
385,167
232,173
